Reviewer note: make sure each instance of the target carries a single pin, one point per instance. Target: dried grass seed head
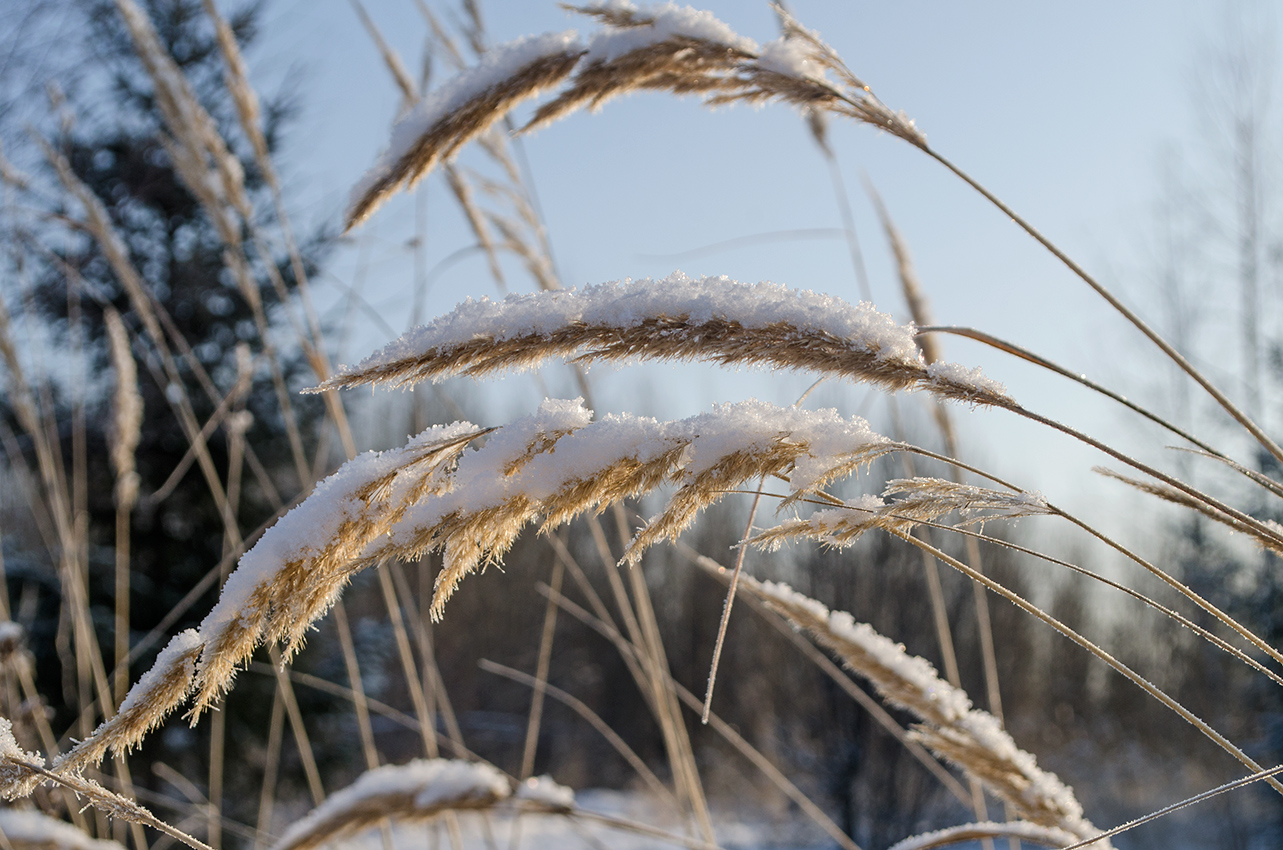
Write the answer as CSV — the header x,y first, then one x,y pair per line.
x,y
591,466
921,500
416,791
972,739
665,48
294,573
163,688
462,109
713,319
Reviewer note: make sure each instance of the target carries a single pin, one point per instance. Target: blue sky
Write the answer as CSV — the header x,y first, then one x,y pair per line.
x,y
1063,110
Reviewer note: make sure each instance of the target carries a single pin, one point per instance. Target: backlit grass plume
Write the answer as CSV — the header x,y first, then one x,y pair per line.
x,y
437,494
921,500
712,319
666,48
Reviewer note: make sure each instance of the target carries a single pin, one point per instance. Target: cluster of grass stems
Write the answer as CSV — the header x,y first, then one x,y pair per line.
x,y
381,510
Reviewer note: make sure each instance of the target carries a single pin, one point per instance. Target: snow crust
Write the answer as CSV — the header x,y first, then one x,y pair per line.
x,y
629,303
430,782
32,827
499,63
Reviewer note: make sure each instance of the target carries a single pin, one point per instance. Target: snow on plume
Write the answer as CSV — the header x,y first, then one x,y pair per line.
x,y
315,522
183,643
428,784
951,720
791,57
31,828
544,791
668,21
956,373
949,702
589,449
629,303
497,64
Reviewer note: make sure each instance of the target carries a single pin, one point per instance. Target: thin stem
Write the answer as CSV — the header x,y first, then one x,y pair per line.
x,y
1158,694
1176,357
726,606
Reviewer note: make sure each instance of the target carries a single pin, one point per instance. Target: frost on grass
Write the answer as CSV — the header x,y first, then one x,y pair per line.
x,y
419,790
31,830
17,778
972,739
921,500
711,319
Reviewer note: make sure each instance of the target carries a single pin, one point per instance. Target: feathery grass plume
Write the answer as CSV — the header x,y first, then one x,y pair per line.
x,y
1047,836
970,738
292,576
678,318
156,693
668,48
31,830
463,108
925,500
419,790
127,411
287,581
490,499
1171,494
